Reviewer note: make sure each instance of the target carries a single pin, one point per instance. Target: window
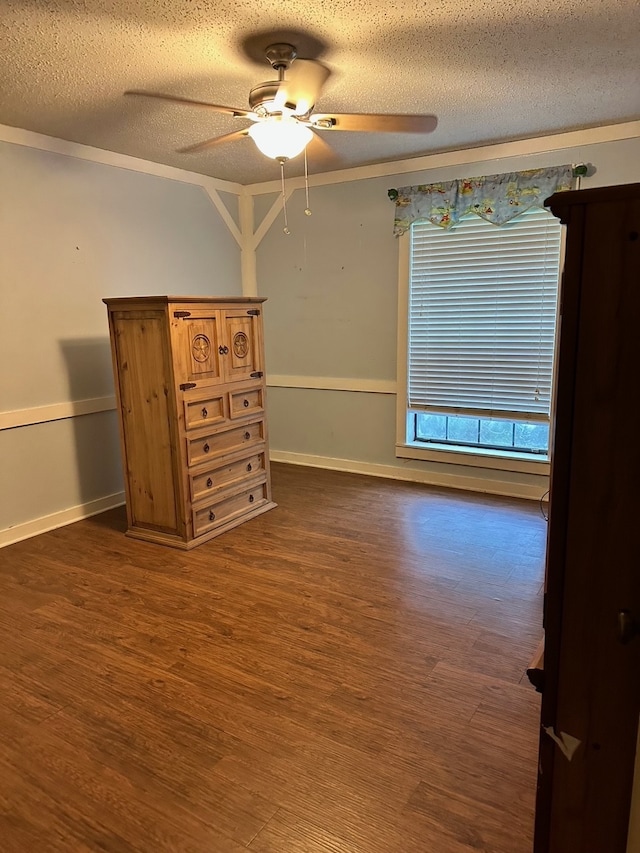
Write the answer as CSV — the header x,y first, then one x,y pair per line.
x,y
482,433
482,309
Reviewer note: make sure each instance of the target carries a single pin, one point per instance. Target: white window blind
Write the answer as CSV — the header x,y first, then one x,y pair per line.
x,y
482,314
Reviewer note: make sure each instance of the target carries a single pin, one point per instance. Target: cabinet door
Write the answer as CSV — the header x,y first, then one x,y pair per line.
x,y
243,343
198,344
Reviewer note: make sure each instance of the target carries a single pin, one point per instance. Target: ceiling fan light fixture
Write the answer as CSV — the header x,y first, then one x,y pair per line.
x,y
280,137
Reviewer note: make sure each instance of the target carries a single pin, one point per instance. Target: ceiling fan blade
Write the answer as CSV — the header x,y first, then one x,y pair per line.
x,y
302,86
176,99
209,143
381,123
320,153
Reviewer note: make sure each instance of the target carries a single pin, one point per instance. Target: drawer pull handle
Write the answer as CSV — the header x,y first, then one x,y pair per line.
x,y
251,499
223,350
205,413
209,483
212,516
246,404
206,448
249,467
247,435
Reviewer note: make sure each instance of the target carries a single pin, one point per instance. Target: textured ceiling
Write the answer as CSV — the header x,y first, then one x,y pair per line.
x,y
491,70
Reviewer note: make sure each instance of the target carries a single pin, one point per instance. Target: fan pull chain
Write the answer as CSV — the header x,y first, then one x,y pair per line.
x,y
307,209
284,199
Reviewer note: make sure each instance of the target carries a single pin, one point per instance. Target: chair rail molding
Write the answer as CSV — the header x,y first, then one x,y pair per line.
x,y
332,383
55,412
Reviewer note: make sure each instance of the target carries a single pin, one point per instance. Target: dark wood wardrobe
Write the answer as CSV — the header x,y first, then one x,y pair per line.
x,y
591,692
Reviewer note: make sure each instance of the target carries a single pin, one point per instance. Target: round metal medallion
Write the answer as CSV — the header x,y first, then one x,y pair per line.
x,y
201,347
240,344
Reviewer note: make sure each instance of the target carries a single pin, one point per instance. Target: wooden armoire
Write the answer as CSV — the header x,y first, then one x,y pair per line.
x,y
190,390
591,691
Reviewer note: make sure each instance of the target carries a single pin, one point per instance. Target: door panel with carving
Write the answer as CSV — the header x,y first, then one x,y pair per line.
x,y
242,358
200,349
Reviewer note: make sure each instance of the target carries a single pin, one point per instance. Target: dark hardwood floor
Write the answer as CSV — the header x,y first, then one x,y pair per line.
x,y
344,674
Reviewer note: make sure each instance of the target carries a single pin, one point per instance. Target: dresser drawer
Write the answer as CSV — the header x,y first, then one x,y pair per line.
x,y
220,512
249,402
209,411
206,447
202,486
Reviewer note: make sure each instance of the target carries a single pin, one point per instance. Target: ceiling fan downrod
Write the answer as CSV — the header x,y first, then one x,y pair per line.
x,y
262,96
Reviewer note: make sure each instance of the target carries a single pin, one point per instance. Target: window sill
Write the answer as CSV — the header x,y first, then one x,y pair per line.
x,y
480,458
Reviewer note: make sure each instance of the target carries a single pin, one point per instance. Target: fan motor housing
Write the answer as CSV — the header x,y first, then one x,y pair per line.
x,y
263,94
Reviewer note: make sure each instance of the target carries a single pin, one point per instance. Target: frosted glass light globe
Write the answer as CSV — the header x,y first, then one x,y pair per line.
x,y
280,137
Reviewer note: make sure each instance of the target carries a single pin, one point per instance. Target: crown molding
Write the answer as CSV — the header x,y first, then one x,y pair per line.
x,y
30,139
464,156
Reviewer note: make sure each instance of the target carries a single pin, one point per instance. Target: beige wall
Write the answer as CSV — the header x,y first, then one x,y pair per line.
x,y
74,231
76,228
332,286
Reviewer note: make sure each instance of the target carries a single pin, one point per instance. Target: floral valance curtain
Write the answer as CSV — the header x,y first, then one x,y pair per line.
x,y
497,198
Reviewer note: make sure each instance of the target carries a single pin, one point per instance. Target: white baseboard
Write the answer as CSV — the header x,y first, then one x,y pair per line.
x,y
59,519
430,478
452,481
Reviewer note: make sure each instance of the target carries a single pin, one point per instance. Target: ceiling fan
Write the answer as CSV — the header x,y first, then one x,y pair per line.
x,y
282,110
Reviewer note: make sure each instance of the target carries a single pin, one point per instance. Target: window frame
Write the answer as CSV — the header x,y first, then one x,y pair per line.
x,y
479,457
